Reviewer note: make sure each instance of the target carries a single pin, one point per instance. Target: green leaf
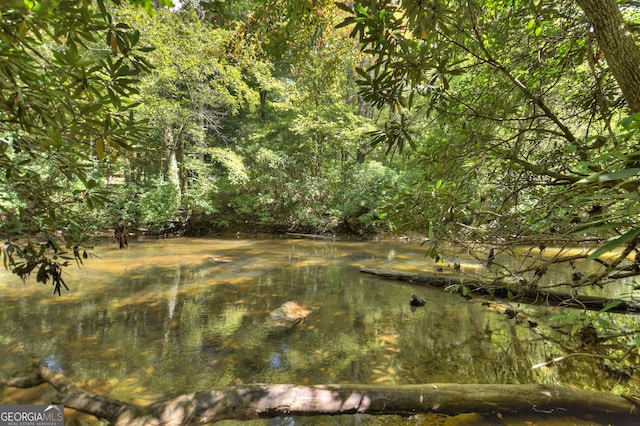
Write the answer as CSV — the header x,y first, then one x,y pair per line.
x,y
636,341
363,74
344,7
612,304
621,174
557,317
630,122
576,327
100,149
606,177
614,244
361,10
530,25
347,21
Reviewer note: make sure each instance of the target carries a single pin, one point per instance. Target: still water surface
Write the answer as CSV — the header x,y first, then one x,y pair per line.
x,y
158,319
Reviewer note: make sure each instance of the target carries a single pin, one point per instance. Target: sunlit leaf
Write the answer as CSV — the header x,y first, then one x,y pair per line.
x,y
616,243
344,6
612,304
100,149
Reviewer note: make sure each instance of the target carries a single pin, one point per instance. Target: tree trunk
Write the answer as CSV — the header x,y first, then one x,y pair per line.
x,y
267,401
522,293
616,43
173,147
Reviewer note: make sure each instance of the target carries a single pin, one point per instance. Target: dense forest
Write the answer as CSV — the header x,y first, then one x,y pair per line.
x,y
504,121
483,124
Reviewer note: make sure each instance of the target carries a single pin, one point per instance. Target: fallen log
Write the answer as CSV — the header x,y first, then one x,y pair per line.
x,y
312,236
521,293
70,395
266,401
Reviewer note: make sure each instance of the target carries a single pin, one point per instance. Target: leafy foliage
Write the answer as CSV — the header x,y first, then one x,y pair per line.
x,y
67,74
519,130
504,123
516,137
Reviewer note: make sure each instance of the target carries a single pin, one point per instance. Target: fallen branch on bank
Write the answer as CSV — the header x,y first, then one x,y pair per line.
x,y
520,293
265,401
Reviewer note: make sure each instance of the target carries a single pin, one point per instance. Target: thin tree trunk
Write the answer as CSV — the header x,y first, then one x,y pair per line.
x,y
173,164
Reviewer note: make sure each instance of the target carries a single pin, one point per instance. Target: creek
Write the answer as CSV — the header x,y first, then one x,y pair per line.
x,y
159,319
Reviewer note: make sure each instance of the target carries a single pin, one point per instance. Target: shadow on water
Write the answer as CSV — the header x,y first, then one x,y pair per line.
x,y
160,319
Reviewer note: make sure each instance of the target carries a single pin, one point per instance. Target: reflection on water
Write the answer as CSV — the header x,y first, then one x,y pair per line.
x,y
160,319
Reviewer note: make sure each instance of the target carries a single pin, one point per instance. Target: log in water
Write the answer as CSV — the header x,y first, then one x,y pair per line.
x,y
520,293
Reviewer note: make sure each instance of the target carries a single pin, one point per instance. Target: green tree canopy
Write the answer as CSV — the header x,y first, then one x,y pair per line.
x,y
517,113
67,76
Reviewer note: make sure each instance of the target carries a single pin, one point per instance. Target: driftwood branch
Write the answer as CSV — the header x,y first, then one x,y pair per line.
x,y
522,293
71,395
312,236
266,401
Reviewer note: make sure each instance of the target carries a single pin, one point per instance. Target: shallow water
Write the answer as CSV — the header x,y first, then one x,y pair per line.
x,y
157,320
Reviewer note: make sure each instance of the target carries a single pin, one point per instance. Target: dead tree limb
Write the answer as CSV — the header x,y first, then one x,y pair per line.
x,y
312,236
266,401
521,293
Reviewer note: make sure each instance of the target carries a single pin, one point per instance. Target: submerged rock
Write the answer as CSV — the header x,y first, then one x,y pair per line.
x,y
208,263
287,316
218,259
417,301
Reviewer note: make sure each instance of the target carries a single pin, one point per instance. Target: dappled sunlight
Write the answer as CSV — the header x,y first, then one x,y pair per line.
x,y
318,399
158,319
228,323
